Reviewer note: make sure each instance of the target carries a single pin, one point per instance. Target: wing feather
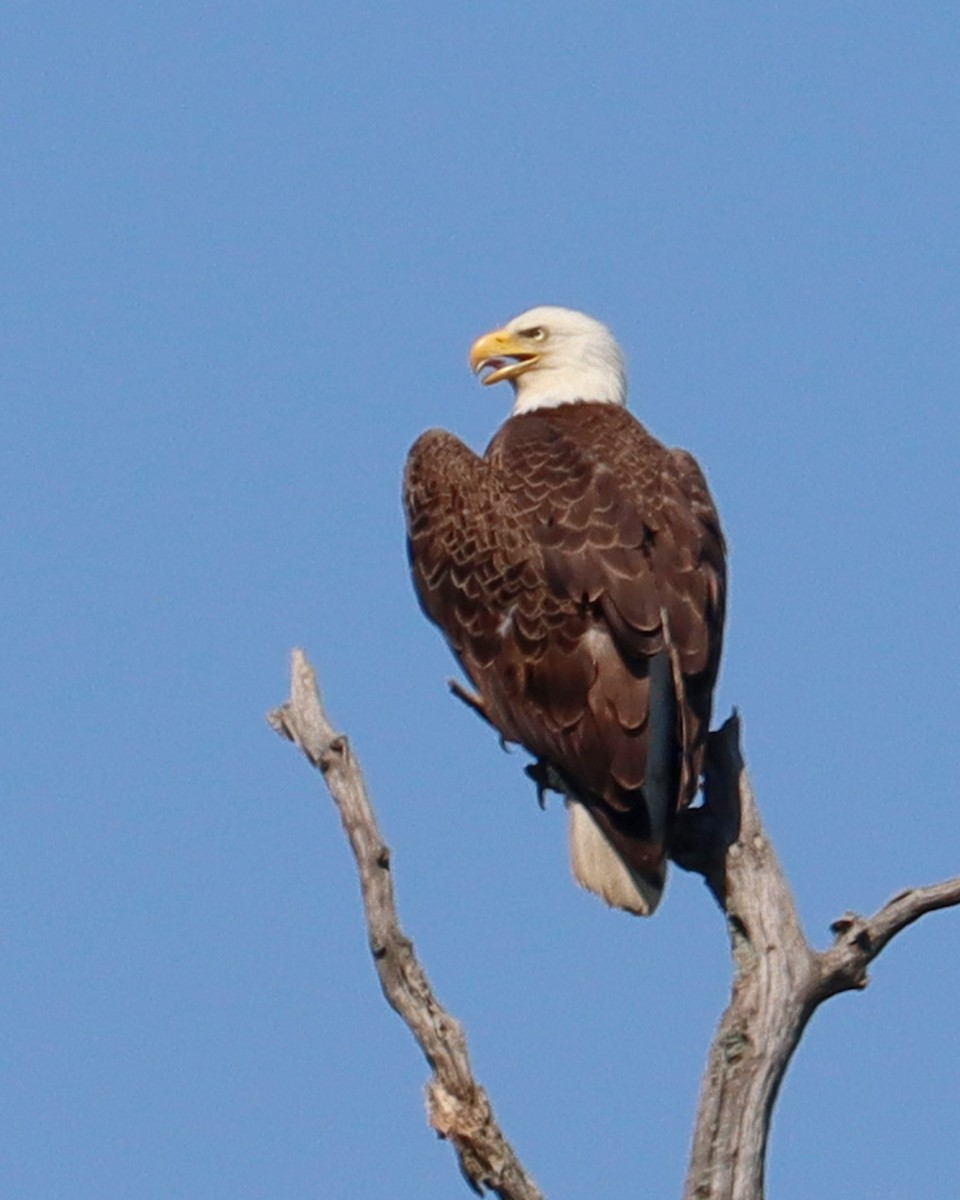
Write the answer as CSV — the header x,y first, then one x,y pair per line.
x,y
558,566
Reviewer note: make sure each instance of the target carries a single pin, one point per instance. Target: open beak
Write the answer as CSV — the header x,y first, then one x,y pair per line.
x,y
502,355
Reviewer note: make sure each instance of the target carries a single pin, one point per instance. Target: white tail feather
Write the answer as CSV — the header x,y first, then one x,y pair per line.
x,y
598,867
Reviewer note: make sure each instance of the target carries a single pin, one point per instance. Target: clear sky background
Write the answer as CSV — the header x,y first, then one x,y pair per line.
x,y
245,249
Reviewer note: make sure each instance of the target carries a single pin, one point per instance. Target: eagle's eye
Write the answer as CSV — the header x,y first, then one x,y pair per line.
x,y
536,334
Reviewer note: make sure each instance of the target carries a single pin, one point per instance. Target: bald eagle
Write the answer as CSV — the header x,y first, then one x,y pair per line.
x,y
577,571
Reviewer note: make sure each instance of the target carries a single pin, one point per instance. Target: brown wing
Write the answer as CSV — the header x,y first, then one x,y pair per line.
x,y
549,565
470,556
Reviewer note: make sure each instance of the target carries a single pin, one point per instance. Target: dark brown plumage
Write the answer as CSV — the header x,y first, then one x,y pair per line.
x,y
577,572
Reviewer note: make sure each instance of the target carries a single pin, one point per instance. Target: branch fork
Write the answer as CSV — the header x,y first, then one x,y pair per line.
x,y
779,979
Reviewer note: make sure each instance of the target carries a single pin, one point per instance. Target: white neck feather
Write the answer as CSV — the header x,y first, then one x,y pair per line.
x,y
546,387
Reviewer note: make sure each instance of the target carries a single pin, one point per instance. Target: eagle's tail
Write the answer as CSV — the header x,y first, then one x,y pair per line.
x,y
598,867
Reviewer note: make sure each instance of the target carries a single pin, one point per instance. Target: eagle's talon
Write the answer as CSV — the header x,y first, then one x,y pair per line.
x,y
541,775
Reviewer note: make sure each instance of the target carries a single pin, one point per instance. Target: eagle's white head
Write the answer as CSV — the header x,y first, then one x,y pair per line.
x,y
553,356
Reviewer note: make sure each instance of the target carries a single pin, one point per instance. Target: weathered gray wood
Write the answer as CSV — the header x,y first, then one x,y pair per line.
x,y
779,979
458,1107
775,973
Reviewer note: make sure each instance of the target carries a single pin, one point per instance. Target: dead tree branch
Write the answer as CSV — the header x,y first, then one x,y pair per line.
x,y
779,979
458,1107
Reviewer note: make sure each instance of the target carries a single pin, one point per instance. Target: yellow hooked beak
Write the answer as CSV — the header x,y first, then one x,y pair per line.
x,y
505,353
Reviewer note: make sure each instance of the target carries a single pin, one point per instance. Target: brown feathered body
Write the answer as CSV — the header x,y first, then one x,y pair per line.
x,y
577,572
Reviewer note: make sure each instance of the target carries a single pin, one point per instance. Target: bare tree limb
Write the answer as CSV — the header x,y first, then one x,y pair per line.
x,y
859,940
779,979
458,1107
774,971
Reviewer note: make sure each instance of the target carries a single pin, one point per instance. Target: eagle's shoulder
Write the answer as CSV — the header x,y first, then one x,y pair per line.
x,y
468,547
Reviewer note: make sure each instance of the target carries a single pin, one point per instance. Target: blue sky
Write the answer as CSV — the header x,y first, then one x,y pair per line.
x,y
245,250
